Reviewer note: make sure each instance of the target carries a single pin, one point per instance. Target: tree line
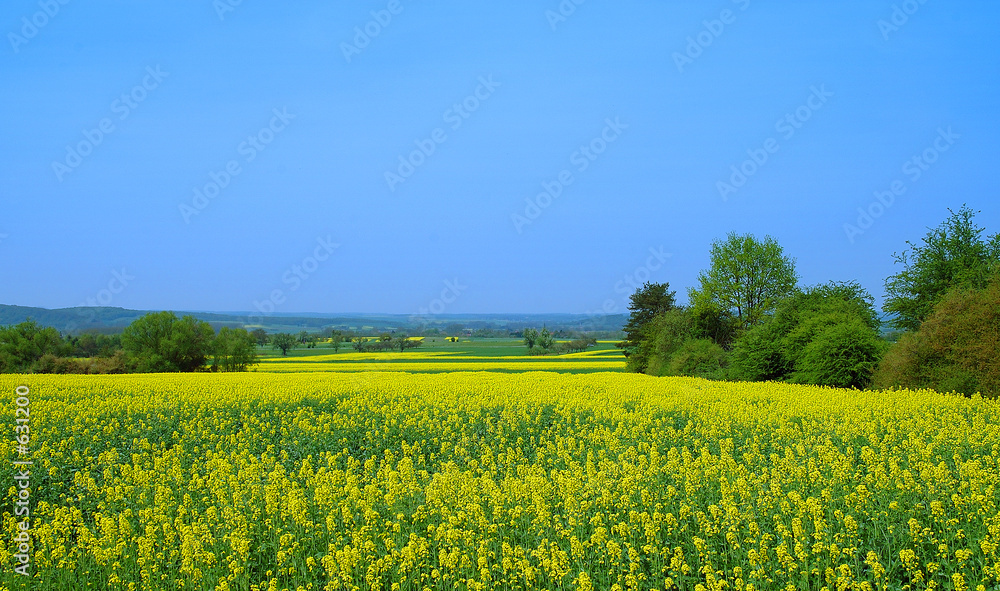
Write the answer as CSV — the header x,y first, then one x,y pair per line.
x,y
749,320
156,342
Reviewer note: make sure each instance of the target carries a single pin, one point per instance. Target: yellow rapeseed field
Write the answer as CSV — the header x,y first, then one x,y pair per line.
x,y
397,481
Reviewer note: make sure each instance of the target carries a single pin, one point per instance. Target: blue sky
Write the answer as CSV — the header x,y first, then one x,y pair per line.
x,y
205,156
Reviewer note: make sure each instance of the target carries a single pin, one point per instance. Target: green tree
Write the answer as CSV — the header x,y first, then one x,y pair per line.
x,y
825,335
160,342
403,342
701,358
530,338
233,350
645,304
545,339
260,336
664,336
24,344
336,341
843,353
954,349
709,321
284,341
954,254
747,278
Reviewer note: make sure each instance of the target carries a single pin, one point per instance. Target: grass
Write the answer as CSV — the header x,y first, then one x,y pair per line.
x,y
439,355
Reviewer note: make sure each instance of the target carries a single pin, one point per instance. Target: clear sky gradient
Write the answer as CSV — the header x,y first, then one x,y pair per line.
x,y
291,121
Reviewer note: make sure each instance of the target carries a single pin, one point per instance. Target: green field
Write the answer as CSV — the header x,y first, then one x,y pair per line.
x,y
436,354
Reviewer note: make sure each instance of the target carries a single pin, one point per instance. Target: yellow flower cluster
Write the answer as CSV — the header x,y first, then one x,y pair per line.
x,y
322,481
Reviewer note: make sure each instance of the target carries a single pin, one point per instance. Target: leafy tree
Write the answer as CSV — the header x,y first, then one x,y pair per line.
x,y
403,342
260,336
747,279
758,356
954,254
336,341
825,335
358,343
954,349
233,350
644,305
579,343
675,346
284,341
700,358
160,342
530,338
843,354
94,344
545,339
709,321
24,344
664,336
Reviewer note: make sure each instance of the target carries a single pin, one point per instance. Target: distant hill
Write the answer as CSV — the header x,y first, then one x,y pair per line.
x,y
108,320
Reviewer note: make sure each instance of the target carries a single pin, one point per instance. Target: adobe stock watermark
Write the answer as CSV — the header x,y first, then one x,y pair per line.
x,y
562,12
123,106
454,117
249,148
913,169
224,7
628,284
711,30
22,479
900,15
580,159
787,126
451,292
294,277
31,26
364,35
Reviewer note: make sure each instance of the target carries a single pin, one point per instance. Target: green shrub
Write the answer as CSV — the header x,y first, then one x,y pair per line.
x,y
842,354
701,358
956,349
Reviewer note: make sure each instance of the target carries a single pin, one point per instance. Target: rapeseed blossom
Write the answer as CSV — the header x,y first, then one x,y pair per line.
x,y
463,480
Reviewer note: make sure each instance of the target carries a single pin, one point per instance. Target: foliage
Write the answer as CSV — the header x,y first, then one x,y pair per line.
x,y
955,349
284,342
824,335
94,344
954,254
495,481
234,349
260,336
747,279
758,356
530,338
24,344
116,363
578,344
712,322
545,339
160,342
842,352
665,335
403,342
648,302
701,358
